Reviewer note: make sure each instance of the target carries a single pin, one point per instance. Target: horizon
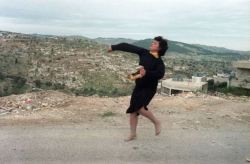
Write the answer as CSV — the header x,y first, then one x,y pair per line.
x,y
124,38
206,22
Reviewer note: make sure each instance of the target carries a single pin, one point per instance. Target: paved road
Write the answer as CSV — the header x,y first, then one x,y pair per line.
x,y
80,144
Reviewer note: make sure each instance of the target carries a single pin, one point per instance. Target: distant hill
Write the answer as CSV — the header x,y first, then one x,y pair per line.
x,y
113,40
182,49
222,49
195,50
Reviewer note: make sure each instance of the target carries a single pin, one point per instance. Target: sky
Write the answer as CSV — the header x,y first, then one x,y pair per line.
x,y
222,23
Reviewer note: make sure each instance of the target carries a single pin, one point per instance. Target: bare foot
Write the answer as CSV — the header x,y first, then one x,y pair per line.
x,y
130,138
157,128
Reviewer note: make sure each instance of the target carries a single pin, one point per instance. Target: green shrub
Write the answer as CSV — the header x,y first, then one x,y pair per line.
x,y
101,91
235,91
48,83
38,83
58,86
108,114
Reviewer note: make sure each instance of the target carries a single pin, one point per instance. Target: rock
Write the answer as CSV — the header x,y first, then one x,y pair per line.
x,y
44,104
32,101
135,147
3,113
29,107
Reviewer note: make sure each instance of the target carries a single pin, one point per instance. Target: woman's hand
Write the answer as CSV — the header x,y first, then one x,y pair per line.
x,y
142,71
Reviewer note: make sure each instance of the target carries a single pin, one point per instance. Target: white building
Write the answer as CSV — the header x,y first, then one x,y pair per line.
x,y
197,83
221,78
242,76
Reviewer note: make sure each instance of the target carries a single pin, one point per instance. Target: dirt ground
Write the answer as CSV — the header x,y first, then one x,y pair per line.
x,y
61,128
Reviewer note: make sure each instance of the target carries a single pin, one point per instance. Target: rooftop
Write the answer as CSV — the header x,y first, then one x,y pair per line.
x,y
245,64
182,85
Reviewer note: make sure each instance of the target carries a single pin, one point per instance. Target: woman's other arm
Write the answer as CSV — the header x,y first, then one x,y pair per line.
x,y
158,73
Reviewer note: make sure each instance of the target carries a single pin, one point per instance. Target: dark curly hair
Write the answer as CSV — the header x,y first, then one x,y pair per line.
x,y
163,43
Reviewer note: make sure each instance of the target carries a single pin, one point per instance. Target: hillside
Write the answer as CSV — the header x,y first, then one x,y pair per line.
x,y
81,65
184,60
53,62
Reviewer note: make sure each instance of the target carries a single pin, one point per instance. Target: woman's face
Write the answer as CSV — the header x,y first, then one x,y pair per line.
x,y
154,46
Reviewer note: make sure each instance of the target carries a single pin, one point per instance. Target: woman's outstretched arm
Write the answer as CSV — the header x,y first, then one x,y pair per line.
x,y
127,48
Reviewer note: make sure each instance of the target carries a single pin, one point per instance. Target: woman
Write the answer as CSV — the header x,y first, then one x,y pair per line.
x,y
152,69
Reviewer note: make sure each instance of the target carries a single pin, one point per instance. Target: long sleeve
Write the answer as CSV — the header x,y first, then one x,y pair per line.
x,y
128,48
158,73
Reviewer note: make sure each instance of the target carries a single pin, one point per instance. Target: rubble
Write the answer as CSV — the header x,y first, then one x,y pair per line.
x,y
32,101
186,94
216,95
232,97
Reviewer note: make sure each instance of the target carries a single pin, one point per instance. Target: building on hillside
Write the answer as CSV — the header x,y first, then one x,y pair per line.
x,y
174,86
242,76
221,78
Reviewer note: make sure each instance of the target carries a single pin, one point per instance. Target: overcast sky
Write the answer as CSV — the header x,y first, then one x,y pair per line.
x,y
212,22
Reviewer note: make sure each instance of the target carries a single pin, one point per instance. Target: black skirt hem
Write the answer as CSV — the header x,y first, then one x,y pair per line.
x,y
137,110
140,97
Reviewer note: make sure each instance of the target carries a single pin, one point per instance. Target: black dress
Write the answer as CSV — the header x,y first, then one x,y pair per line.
x,y
146,86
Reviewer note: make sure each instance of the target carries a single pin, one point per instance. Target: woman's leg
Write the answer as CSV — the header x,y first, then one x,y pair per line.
x,y
151,117
133,121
